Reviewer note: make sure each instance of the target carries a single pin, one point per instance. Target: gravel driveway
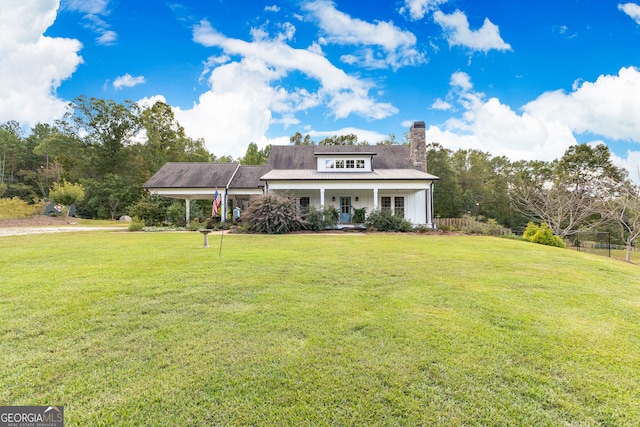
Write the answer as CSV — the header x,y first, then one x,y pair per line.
x,y
19,231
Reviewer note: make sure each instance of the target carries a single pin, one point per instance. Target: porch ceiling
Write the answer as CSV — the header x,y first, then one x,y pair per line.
x,y
186,193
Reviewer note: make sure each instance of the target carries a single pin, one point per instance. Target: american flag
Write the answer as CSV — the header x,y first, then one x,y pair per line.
x,y
217,199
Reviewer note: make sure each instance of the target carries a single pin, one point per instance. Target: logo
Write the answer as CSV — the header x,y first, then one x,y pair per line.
x,y
31,416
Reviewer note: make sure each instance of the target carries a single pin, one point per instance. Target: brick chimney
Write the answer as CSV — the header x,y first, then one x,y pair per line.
x,y
418,146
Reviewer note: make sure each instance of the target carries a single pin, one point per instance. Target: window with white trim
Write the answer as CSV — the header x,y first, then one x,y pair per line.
x,y
385,203
344,164
398,206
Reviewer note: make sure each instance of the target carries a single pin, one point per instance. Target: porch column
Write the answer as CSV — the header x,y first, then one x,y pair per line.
x,y
187,209
322,197
430,222
223,208
375,199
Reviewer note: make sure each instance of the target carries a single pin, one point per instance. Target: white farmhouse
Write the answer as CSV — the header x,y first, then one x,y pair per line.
x,y
348,177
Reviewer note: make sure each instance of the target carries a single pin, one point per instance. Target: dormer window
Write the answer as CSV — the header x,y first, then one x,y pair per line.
x,y
345,162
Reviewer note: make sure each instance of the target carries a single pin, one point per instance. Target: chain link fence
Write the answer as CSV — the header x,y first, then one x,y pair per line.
x,y
598,243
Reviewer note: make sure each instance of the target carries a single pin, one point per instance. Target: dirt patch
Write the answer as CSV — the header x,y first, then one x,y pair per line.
x,y
37,221
45,224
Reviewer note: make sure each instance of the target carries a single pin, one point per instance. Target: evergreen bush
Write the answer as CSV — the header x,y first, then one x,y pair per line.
x,y
176,214
543,235
530,231
359,215
314,219
66,194
331,216
321,219
150,209
385,220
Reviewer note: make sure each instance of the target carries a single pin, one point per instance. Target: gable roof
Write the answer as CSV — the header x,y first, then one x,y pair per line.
x,y
192,175
304,156
288,162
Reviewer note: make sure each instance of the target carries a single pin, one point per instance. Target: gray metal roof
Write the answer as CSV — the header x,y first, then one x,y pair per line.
x,y
378,174
192,175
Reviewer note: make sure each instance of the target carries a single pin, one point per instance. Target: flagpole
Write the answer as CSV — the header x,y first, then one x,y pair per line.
x,y
221,236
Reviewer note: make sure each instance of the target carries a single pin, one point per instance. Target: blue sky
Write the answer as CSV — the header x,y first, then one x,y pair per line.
x,y
525,80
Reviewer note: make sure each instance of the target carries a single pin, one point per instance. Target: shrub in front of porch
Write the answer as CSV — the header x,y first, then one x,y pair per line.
x,y
385,220
273,213
321,219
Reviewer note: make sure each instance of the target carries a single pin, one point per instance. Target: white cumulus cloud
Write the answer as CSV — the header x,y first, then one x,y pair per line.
x,y
127,80
396,47
247,92
488,125
418,8
32,66
606,107
544,128
442,105
631,9
458,32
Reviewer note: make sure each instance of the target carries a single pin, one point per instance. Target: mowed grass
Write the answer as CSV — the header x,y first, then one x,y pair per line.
x,y
151,329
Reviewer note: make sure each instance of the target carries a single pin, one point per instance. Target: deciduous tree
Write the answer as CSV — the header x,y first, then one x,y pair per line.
x,y
624,210
254,156
567,194
108,128
66,194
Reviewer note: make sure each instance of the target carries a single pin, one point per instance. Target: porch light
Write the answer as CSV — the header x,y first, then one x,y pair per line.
x,y
333,199
357,198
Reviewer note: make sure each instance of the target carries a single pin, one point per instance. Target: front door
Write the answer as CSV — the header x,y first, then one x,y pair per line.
x,y
345,209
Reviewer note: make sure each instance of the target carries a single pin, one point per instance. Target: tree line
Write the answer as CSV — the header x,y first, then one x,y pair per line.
x,y
109,148
112,148
581,191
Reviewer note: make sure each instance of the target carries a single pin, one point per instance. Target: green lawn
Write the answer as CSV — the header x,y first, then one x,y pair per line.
x,y
152,329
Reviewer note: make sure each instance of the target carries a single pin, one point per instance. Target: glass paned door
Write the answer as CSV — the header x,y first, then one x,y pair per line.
x,y
345,209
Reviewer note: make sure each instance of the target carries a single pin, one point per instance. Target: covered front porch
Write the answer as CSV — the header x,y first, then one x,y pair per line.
x,y
355,202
